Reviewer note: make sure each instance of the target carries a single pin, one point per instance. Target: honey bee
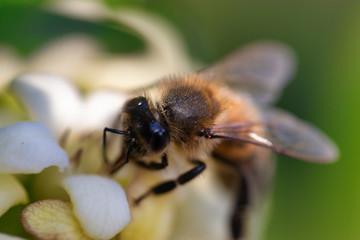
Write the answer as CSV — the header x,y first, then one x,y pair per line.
x,y
223,112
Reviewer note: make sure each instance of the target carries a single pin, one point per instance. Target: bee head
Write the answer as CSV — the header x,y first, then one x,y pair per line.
x,y
143,126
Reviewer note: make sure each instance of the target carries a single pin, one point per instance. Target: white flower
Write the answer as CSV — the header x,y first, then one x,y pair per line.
x,y
25,147
28,147
97,201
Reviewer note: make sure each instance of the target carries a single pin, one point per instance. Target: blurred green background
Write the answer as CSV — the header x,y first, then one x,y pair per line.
x,y
310,201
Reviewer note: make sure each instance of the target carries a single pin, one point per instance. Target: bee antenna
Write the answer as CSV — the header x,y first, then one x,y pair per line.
x,y
112,130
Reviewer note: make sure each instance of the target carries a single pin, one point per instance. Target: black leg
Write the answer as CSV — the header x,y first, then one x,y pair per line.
x,y
120,162
238,219
167,186
154,165
112,130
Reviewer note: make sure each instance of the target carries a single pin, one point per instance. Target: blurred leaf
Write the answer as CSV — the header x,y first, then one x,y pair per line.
x,y
10,223
22,2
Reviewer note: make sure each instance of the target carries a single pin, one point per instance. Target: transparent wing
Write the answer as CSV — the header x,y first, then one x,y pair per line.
x,y
284,134
261,68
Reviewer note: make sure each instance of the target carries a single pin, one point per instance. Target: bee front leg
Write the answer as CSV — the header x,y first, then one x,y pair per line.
x,y
123,159
167,186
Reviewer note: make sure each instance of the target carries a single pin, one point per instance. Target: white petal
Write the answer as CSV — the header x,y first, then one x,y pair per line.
x,y
29,147
99,203
4,236
50,99
11,192
101,109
